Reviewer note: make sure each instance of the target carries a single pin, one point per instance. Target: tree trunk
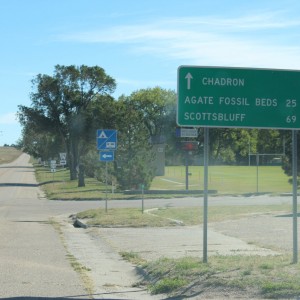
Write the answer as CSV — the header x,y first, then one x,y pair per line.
x,y
73,160
81,181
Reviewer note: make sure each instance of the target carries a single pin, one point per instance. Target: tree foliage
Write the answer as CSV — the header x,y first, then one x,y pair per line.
x,y
156,107
61,105
231,145
145,117
134,155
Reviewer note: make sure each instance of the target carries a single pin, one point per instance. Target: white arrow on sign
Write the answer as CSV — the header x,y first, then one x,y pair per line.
x,y
188,77
106,155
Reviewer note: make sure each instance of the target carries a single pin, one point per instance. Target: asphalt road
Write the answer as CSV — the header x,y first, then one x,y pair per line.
x,y
33,260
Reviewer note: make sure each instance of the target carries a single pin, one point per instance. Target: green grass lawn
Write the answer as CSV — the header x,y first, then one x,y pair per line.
x,y
226,179
133,217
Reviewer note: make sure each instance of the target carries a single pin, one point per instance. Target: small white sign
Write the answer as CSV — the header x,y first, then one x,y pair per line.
x,y
53,166
53,163
63,162
189,132
63,156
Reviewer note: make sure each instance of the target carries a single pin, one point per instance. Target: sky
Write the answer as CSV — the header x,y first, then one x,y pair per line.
x,y
140,44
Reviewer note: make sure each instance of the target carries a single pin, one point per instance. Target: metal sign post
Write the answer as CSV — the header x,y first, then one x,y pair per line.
x,y
143,206
186,170
53,169
205,204
257,164
295,185
106,187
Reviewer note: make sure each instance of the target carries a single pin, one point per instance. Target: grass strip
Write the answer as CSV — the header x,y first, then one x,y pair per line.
x,y
133,217
9,154
268,277
122,217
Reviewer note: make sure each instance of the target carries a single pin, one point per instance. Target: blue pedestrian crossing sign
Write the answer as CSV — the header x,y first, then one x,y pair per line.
x,y
107,155
106,139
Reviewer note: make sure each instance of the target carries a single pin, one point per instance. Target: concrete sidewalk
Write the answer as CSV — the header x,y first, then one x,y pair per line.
x,y
113,278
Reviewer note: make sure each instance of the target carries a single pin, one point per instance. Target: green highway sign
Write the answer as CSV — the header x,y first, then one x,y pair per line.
x,y
238,97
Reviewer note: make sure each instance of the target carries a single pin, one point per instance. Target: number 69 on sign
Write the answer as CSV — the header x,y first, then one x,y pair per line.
x,y
291,119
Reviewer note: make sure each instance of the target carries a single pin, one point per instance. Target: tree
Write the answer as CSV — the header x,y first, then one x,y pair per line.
x,y
61,105
288,149
44,146
134,155
157,108
232,145
147,117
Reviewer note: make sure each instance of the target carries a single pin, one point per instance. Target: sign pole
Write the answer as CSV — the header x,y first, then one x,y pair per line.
x,y
105,186
142,198
186,171
205,204
257,164
295,214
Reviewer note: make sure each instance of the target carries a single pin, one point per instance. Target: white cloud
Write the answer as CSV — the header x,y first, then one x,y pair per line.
x,y
174,28
256,40
8,118
257,21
